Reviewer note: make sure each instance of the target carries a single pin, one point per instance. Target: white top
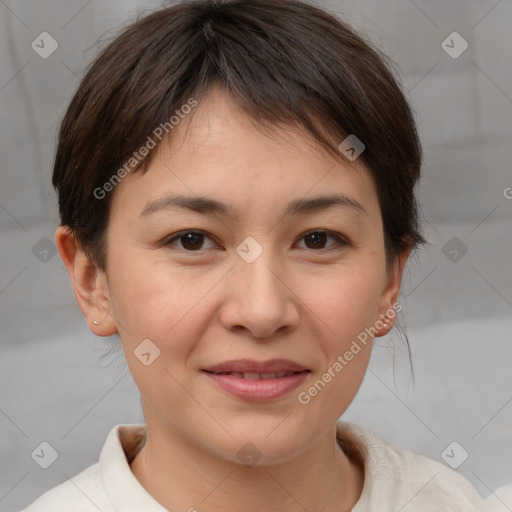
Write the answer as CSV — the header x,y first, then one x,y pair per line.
x,y
395,479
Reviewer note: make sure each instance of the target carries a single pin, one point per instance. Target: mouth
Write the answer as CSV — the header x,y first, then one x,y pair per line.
x,y
245,366
255,375
257,381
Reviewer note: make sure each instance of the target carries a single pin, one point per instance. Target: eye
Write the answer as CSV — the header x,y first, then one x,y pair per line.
x,y
191,240
315,240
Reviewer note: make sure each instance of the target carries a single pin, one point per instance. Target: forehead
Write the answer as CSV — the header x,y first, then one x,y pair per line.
x,y
219,127
221,152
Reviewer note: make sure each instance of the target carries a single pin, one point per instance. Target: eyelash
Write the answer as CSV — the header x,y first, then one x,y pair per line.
x,y
341,241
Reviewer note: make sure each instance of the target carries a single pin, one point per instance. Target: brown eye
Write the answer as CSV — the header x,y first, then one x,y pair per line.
x,y
191,241
316,240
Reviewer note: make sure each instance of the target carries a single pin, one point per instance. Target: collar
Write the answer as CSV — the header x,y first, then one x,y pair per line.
x,y
128,495
123,489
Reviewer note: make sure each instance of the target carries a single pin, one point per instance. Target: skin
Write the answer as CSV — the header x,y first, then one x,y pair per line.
x,y
299,300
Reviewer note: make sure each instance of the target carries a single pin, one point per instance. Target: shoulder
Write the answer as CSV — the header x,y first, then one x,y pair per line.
x,y
81,493
96,487
399,478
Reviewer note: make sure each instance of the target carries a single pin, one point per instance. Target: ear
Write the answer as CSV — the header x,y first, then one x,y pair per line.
x,y
89,284
389,299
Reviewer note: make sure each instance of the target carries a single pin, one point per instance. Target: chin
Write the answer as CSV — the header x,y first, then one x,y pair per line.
x,y
263,441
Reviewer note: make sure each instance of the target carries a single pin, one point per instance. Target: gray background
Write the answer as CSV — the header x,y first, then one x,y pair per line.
x,y
56,387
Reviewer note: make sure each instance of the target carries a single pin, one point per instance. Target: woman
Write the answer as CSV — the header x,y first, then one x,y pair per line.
x,y
235,185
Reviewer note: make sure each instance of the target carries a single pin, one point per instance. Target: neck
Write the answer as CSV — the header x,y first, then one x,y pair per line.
x,y
182,476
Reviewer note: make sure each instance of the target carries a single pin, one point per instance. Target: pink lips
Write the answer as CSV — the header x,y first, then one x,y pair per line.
x,y
257,381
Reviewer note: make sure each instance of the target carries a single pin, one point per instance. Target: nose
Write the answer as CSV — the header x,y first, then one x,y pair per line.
x,y
259,299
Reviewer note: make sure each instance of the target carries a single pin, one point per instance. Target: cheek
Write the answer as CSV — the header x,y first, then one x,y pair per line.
x,y
345,300
153,303
343,306
346,305
169,306
144,291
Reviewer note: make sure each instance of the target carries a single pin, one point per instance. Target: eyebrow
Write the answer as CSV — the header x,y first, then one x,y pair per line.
x,y
207,206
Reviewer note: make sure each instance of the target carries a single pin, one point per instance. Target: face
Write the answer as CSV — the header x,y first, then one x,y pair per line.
x,y
252,281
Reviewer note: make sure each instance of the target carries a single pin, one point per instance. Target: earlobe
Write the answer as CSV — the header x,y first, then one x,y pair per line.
x,y
389,306
89,284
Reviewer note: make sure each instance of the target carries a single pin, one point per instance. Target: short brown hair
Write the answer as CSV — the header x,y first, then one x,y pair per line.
x,y
283,61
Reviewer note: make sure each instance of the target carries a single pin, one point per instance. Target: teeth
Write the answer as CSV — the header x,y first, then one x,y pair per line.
x,y
251,376
263,376
259,376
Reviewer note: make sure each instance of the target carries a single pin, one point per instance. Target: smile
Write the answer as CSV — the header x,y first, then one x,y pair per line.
x,y
255,386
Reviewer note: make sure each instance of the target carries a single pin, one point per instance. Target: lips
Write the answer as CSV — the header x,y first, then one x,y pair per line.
x,y
257,381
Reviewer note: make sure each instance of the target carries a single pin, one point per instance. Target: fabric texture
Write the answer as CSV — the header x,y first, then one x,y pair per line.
x,y
395,479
